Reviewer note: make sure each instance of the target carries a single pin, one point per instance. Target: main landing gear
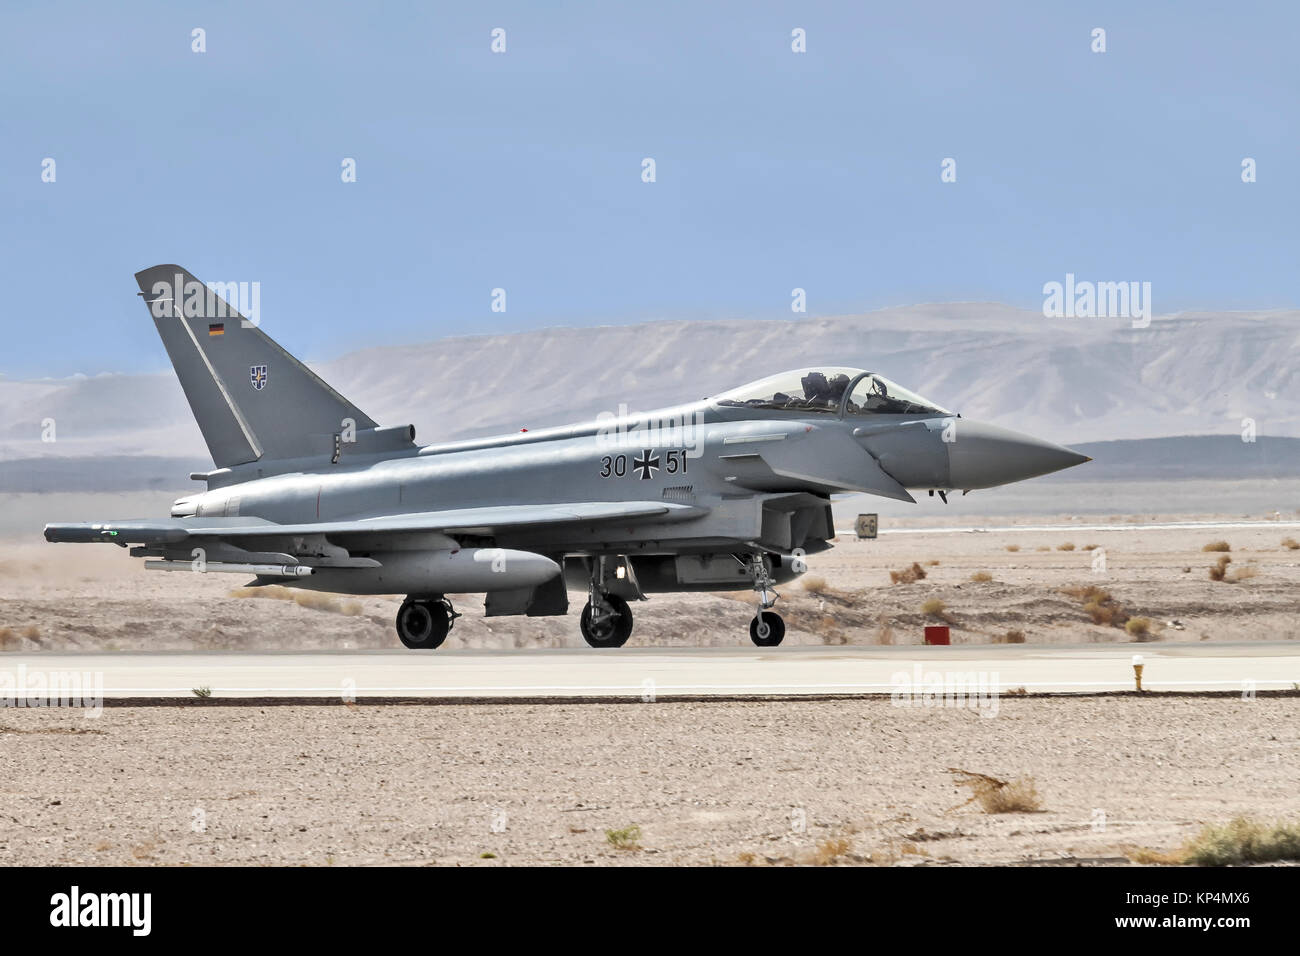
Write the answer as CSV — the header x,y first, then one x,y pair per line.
x,y
607,620
767,629
423,623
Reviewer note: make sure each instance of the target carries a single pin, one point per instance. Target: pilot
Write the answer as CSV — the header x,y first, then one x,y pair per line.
x,y
836,387
814,386
822,393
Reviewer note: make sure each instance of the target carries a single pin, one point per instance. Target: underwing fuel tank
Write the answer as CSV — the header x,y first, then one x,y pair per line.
x,y
452,571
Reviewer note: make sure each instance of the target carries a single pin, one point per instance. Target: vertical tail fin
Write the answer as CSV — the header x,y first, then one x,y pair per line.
x,y
252,399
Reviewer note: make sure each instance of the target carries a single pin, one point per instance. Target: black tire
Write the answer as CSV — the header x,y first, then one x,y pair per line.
x,y
613,631
423,625
773,627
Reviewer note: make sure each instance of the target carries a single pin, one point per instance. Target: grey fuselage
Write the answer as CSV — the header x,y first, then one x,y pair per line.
x,y
711,458
715,480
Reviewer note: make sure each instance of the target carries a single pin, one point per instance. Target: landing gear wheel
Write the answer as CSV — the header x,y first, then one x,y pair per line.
x,y
767,629
423,625
612,630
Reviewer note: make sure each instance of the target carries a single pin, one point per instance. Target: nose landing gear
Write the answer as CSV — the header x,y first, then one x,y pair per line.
x,y
767,629
423,623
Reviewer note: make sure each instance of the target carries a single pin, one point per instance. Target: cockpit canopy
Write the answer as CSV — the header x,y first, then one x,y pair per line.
x,y
822,390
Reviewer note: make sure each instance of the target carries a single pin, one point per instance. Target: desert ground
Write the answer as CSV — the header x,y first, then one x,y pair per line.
x,y
95,597
734,782
762,782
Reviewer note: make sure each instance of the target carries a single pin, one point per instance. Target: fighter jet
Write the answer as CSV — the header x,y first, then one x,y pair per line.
x,y
729,493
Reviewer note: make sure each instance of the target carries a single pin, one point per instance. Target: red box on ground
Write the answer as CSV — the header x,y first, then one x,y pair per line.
x,y
936,634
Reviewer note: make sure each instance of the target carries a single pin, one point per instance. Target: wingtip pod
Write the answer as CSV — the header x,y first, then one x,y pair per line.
x,y
123,532
80,533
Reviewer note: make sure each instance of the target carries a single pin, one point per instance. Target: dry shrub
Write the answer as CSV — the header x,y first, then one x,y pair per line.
x,y
11,638
1139,628
1107,614
1010,637
1220,570
1018,796
934,608
1244,841
1241,574
1290,543
1099,605
908,575
1068,546
932,563
981,577
1090,547
1043,547
813,584
1013,547
1217,546
1239,841
1146,857
831,849
999,796
626,838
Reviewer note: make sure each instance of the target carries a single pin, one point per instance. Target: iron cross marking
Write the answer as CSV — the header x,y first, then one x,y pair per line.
x,y
647,465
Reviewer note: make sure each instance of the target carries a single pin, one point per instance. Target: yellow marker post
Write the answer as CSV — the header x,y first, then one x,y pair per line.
x,y
1137,671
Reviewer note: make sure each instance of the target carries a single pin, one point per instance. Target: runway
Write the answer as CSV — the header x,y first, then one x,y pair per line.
x,y
1068,526
653,672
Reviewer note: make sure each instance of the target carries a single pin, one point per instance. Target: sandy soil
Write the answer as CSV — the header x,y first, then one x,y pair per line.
x,y
725,782
716,782
96,597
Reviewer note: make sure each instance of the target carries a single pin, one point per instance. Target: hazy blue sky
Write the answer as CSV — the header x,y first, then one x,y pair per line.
x,y
523,170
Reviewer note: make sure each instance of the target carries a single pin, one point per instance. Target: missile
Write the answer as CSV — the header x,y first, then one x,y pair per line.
x,y
261,570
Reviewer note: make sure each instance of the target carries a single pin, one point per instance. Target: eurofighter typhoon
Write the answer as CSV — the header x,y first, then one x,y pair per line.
x,y
725,494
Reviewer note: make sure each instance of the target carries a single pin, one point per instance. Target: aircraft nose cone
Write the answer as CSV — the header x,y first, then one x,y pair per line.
x,y
983,456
